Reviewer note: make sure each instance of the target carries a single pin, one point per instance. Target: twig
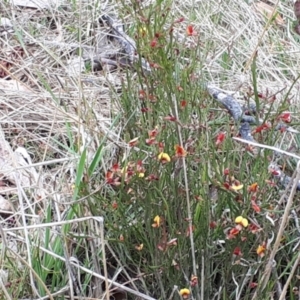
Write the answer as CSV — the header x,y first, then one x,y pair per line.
x,y
104,261
266,147
175,288
187,193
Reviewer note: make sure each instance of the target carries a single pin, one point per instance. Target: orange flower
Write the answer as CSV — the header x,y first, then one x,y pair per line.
x,y
112,179
183,103
179,151
109,177
185,293
261,249
253,187
164,157
157,222
190,30
233,233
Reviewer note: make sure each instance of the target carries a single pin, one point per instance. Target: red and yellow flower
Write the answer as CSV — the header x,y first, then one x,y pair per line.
x,y
164,157
185,293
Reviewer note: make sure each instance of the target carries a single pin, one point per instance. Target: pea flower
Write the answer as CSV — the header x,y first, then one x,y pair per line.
x,y
157,222
185,293
220,138
261,249
190,30
179,151
164,157
241,221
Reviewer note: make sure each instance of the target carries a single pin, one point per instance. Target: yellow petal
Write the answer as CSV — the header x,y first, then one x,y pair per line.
x,y
245,222
164,157
237,187
260,250
184,292
157,219
240,220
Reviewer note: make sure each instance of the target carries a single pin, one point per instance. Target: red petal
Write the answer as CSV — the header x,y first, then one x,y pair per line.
x,y
190,30
220,138
237,251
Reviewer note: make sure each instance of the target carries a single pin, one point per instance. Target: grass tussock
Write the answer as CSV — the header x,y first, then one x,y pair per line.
x,y
118,183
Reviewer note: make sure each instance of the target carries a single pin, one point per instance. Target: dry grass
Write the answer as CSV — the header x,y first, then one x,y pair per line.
x,y
53,105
